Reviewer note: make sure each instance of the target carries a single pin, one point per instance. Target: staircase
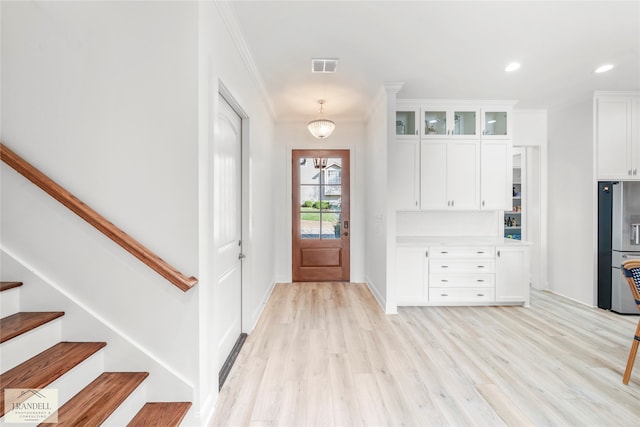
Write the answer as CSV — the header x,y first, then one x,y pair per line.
x,y
32,356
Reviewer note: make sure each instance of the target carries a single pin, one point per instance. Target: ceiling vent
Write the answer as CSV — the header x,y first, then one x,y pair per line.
x,y
326,65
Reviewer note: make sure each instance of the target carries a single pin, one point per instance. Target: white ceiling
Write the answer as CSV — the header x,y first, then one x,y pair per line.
x,y
441,50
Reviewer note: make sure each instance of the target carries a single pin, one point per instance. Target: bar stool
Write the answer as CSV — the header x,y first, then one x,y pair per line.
x,y
631,270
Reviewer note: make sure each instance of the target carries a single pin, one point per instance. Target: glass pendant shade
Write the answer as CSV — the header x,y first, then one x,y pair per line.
x,y
321,128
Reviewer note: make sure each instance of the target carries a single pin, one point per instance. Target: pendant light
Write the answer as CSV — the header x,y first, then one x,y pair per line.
x,y
321,127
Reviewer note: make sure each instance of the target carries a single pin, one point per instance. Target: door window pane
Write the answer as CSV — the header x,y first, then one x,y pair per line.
x,y
309,174
309,225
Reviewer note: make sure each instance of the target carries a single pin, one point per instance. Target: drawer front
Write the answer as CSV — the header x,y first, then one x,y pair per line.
x,y
462,252
461,280
455,266
461,295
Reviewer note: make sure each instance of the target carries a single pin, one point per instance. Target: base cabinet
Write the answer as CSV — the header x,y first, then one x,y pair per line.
x,y
461,275
412,275
512,274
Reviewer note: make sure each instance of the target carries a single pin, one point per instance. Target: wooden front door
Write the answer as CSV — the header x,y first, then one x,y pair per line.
x,y
320,215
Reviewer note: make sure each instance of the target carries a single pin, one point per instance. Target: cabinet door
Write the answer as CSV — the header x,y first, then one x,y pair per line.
x,y
496,123
613,138
463,174
411,271
407,121
404,174
635,137
433,175
512,274
495,175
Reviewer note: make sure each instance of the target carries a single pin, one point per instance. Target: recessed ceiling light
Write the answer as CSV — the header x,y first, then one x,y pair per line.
x,y
512,67
603,68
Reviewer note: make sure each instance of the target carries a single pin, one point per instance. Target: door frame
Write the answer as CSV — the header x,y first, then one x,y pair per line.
x,y
225,93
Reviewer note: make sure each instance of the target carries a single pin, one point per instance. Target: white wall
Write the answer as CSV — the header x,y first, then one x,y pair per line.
x,y
225,66
570,202
117,101
102,97
376,200
295,136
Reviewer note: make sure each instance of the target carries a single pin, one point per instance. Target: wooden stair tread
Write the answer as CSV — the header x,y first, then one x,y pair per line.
x,y
46,367
165,414
5,286
19,323
93,404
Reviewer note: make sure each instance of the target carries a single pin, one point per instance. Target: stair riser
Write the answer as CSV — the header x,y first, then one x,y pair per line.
x,y
76,379
9,302
79,377
129,408
27,345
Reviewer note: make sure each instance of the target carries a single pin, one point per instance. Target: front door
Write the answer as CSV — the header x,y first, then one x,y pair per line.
x,y
228,230
321,229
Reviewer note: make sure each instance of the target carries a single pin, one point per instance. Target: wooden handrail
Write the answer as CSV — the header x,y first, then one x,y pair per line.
x,y
95,219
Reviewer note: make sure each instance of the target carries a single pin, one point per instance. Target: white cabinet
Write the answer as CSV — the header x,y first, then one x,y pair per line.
x,y
462,275
412,275
617,136
407,122
496,161
449,174
446,120
404,161
512,274
496,122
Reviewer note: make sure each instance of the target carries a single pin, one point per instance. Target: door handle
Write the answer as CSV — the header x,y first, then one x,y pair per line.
x,y
345,234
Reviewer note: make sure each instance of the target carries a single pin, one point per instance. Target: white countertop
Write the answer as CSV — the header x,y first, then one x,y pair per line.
x,y
458,241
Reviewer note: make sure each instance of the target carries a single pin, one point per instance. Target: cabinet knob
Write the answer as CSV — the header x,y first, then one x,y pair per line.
x,y
629,173
498,253
426,254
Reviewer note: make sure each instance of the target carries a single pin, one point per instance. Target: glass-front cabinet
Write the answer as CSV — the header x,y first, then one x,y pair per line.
x,y
461,122
496,123
407,122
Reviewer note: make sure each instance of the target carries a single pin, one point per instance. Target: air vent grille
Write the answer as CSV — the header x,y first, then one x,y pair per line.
x,y
324,65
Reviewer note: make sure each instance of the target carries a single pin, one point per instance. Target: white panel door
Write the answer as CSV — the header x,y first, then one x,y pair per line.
x,y
463,174
404,166
614,138
496,175
433,175
228,229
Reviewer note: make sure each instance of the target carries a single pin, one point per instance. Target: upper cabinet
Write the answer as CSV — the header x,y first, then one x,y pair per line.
x,y
464,121
456,121
460,158
617,135
408,122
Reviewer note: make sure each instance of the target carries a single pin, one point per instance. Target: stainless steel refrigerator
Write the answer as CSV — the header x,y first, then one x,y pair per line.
x,y
625,242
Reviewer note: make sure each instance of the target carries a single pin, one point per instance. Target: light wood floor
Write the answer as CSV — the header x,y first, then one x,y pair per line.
x,y
326,355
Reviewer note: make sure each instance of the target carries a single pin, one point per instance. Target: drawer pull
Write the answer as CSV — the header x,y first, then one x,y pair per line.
x,y
444,252
444,266
444,295
480,280
444,280
480,295
480,252
481,266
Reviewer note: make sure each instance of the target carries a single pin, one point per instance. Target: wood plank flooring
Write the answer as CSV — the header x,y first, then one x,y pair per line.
x,y
324,354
